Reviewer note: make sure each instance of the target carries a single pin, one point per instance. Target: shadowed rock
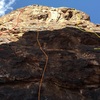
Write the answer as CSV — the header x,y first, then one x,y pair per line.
x,y
73,69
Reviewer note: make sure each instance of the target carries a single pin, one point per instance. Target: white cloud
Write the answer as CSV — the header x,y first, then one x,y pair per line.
x,y
4,6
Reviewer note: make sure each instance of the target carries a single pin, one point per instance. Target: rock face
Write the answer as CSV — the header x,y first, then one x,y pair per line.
x,y
66,37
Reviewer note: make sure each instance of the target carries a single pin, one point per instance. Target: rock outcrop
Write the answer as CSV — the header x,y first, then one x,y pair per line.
x,y
58,48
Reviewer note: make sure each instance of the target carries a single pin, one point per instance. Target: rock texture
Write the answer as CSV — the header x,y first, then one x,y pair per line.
x,y
71,43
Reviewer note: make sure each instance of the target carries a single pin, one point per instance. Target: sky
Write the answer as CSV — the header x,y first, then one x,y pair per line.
x,y
90,7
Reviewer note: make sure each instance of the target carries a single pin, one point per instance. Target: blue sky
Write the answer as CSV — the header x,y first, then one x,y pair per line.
x,y
91,7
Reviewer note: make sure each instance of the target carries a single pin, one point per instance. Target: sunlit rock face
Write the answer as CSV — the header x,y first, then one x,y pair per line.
x,y
71,43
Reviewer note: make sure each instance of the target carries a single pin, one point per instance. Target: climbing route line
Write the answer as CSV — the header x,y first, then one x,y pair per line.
x,y
7,31
17,22
89,32
39,44
46,62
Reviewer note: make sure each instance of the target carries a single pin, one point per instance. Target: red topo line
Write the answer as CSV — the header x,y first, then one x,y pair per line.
x,y
45,66
15,25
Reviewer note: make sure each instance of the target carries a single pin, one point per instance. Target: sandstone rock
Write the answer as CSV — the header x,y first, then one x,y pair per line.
x,y
71,43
